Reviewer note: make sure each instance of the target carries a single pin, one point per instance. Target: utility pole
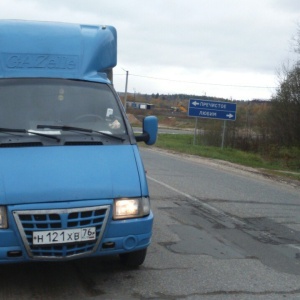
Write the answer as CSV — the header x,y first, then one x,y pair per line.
x,y
126,84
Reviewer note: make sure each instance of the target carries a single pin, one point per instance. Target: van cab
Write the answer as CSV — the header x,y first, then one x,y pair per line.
x,y
72,182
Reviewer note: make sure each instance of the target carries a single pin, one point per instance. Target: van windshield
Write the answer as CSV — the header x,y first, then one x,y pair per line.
x,y
27,103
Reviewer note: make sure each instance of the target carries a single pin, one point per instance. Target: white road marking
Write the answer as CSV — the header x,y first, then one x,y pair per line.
x,y
205,205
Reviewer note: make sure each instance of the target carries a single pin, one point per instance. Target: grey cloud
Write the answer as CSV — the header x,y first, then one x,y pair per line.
x,y
196,35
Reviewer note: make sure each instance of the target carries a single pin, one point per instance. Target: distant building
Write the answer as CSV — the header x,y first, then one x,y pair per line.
x,y
139,105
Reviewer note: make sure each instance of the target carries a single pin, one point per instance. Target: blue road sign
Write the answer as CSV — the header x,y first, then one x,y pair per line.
x,y
212,109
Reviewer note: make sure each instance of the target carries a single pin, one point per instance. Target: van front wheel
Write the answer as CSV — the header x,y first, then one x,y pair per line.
x,y
133,259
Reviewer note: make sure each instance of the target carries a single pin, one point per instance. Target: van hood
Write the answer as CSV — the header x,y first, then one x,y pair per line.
x,y
49,174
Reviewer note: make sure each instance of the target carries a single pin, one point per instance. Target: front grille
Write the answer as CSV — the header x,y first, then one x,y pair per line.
x,y
29,221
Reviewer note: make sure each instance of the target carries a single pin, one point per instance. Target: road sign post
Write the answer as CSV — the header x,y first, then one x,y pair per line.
x,y
212,110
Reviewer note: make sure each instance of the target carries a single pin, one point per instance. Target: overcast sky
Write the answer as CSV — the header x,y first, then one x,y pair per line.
x,y
221,48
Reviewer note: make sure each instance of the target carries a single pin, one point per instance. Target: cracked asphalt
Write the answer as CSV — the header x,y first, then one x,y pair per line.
x,y
220,232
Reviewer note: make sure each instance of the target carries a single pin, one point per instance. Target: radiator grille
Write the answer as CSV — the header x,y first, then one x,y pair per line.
x,y
29,221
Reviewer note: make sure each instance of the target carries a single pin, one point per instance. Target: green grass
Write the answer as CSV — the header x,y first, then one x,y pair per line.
x,y
184,144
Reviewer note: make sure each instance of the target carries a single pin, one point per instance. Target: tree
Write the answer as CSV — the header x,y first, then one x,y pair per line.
x,y
285,109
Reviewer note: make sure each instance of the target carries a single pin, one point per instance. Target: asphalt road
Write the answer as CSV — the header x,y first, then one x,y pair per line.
x,y
219,233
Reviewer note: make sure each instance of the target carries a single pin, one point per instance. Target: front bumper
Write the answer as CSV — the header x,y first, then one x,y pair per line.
x,y
113,237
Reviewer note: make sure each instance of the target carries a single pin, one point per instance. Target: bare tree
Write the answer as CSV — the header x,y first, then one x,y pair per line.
x,y
285,109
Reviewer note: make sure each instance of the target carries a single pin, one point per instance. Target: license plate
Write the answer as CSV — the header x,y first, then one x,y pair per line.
x,y
64,236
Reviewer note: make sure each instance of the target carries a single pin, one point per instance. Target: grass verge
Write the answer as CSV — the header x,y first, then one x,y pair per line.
x,y
184,144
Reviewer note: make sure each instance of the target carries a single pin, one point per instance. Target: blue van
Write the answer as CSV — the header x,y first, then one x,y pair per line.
x,y
72,182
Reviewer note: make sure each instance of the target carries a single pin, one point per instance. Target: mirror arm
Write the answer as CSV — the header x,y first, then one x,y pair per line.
x,y
144,137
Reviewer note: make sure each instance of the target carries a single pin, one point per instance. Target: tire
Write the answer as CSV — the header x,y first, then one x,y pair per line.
x,y
133,259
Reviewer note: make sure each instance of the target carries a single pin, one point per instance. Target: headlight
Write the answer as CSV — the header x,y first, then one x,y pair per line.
x,y
3,217
125,208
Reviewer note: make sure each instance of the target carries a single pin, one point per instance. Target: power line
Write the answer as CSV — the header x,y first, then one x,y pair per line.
x,y
202,83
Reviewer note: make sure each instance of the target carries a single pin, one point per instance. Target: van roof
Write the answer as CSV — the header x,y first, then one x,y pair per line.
x,y
57,50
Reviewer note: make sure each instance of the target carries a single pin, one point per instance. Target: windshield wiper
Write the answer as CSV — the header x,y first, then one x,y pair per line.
x,y
12,130
71,128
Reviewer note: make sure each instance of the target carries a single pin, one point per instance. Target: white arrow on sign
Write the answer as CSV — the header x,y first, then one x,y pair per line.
x,y
230,116
195,103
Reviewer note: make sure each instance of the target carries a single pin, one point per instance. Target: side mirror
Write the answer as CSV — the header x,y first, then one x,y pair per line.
x,y
150,128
